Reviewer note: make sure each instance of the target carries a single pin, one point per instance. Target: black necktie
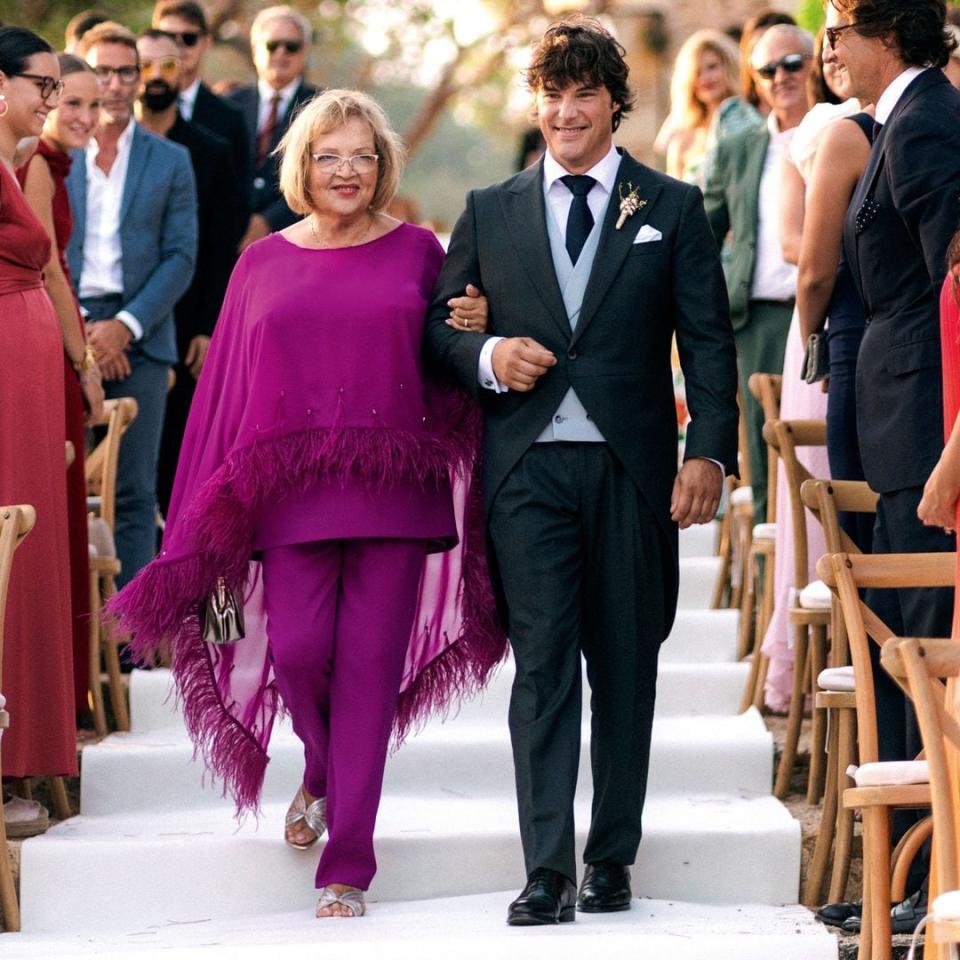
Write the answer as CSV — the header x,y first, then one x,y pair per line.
x,y
877,127
580,221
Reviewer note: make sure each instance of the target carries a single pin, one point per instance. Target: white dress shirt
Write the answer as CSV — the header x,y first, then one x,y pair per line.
x,y
187,100
102,270
773,277
267,93
895,90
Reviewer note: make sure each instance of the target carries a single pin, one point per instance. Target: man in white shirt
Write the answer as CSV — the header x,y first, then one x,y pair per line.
x,y
132,256
280,40
742,198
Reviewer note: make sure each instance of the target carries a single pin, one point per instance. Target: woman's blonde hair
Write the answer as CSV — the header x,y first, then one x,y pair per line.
x,y
689,112
329,111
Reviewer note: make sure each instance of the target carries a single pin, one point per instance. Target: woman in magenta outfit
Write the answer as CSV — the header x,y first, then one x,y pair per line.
x,y
333,486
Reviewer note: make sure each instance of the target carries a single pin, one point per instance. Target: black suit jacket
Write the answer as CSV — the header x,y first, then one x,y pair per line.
x,y
265,196
224,118
218,192
900,221
618,359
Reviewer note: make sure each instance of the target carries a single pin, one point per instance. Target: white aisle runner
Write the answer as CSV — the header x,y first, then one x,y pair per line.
x,y
156,862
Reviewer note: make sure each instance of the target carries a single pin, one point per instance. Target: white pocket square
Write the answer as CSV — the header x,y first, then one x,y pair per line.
x,y
647,234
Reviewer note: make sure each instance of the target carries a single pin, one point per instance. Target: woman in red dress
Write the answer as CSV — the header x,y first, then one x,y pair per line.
x,y
37,677
69,127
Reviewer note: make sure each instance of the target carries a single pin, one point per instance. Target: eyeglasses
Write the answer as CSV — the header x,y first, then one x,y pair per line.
x,y
48,86
186,38
791,63
126,75
291,46
833,34
360,163
167,67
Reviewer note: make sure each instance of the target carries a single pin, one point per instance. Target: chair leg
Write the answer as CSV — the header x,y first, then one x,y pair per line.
x,y
8,892
723,587
96,689
788,758
746,636
876,865
843,851
817,869
818,759
903,856
761,681
118,698
59,798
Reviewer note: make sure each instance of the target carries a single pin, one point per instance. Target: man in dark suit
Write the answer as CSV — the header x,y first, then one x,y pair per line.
x,y
217,195
900,221
197,103
590,262
280,39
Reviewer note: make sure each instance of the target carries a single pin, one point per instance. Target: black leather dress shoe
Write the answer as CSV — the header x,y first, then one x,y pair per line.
x,y
904,916
836,914
605,888
548,897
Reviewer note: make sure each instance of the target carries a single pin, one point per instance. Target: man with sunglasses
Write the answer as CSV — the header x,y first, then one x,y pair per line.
x,y
901,218
132,256
186,21
279,38
742,198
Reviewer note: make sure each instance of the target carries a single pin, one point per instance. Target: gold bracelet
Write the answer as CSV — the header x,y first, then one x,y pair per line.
x,y
87,362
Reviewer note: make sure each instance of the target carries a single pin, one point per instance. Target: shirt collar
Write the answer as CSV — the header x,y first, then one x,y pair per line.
x,y
267,93
123,142
604,171
189,94
891,96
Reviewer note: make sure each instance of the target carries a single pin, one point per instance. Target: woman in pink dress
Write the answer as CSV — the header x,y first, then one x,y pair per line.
x,y
322,465
37,675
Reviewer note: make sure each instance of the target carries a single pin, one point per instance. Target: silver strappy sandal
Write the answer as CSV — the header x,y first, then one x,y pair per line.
x,y
314,815
351,899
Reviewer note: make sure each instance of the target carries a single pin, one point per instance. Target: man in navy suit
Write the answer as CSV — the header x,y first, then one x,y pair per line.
x,y
900,221
132,257
280,40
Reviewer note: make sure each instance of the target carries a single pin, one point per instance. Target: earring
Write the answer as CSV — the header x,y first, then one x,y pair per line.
x,y
4,104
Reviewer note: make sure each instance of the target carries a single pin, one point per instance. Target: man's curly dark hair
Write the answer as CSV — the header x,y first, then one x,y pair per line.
x,y
916,26
578,49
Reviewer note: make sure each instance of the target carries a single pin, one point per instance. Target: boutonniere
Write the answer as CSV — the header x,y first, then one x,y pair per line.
x,y
629,204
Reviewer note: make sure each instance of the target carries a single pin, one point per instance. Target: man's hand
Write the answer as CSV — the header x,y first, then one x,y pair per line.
x,y
696,493
518,362
468,312
110,339
257,229
197,354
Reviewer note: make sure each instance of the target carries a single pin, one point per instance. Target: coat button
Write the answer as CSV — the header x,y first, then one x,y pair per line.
x,y
572,354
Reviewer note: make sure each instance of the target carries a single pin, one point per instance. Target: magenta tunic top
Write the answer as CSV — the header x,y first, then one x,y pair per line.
x,y
314,419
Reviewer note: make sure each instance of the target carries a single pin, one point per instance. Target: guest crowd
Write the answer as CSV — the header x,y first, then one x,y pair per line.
x,y
829,168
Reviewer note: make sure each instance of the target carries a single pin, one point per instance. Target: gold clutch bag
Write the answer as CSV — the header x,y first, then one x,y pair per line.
x,y
222,615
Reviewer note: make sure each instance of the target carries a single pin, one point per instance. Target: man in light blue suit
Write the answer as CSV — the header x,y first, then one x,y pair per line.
x,y
132,256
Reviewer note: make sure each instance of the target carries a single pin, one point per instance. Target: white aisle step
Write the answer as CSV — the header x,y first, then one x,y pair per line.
x,y
188,865
699,540
141,772
702,636
468,928
697,578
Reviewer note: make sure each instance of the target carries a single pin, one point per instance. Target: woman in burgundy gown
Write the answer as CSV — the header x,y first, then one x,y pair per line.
x,y
69,127
37,677
317,448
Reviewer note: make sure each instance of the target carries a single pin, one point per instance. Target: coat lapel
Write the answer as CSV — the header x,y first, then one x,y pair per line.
x,y
615,244
139,154
524,210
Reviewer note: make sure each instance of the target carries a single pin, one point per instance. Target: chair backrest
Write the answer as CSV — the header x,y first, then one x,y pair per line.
x,y
766,390
826,499
920,666
101,465
847,574
15,523
785,436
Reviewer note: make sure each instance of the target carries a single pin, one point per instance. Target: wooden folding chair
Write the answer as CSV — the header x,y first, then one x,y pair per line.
x,y
101,476
920,666
881,787
15,523
835,698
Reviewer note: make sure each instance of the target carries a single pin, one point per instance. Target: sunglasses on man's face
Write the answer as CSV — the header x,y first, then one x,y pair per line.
x,y
833,34
187,38
791,63
291,46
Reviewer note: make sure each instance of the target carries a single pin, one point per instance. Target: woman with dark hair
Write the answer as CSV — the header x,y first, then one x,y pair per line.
x,y
43,176
37,658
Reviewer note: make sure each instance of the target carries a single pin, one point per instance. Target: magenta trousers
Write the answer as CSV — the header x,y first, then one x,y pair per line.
x,y
339,617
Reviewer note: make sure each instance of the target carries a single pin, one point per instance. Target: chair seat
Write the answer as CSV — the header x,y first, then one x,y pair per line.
x,y
765,531
946,906
890,773
839,679
815,596
742,496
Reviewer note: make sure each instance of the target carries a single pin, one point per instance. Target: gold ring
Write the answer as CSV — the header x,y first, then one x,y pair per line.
x,y
466,323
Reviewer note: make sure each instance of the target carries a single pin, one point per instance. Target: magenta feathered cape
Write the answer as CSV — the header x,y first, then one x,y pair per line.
x,y
313,376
